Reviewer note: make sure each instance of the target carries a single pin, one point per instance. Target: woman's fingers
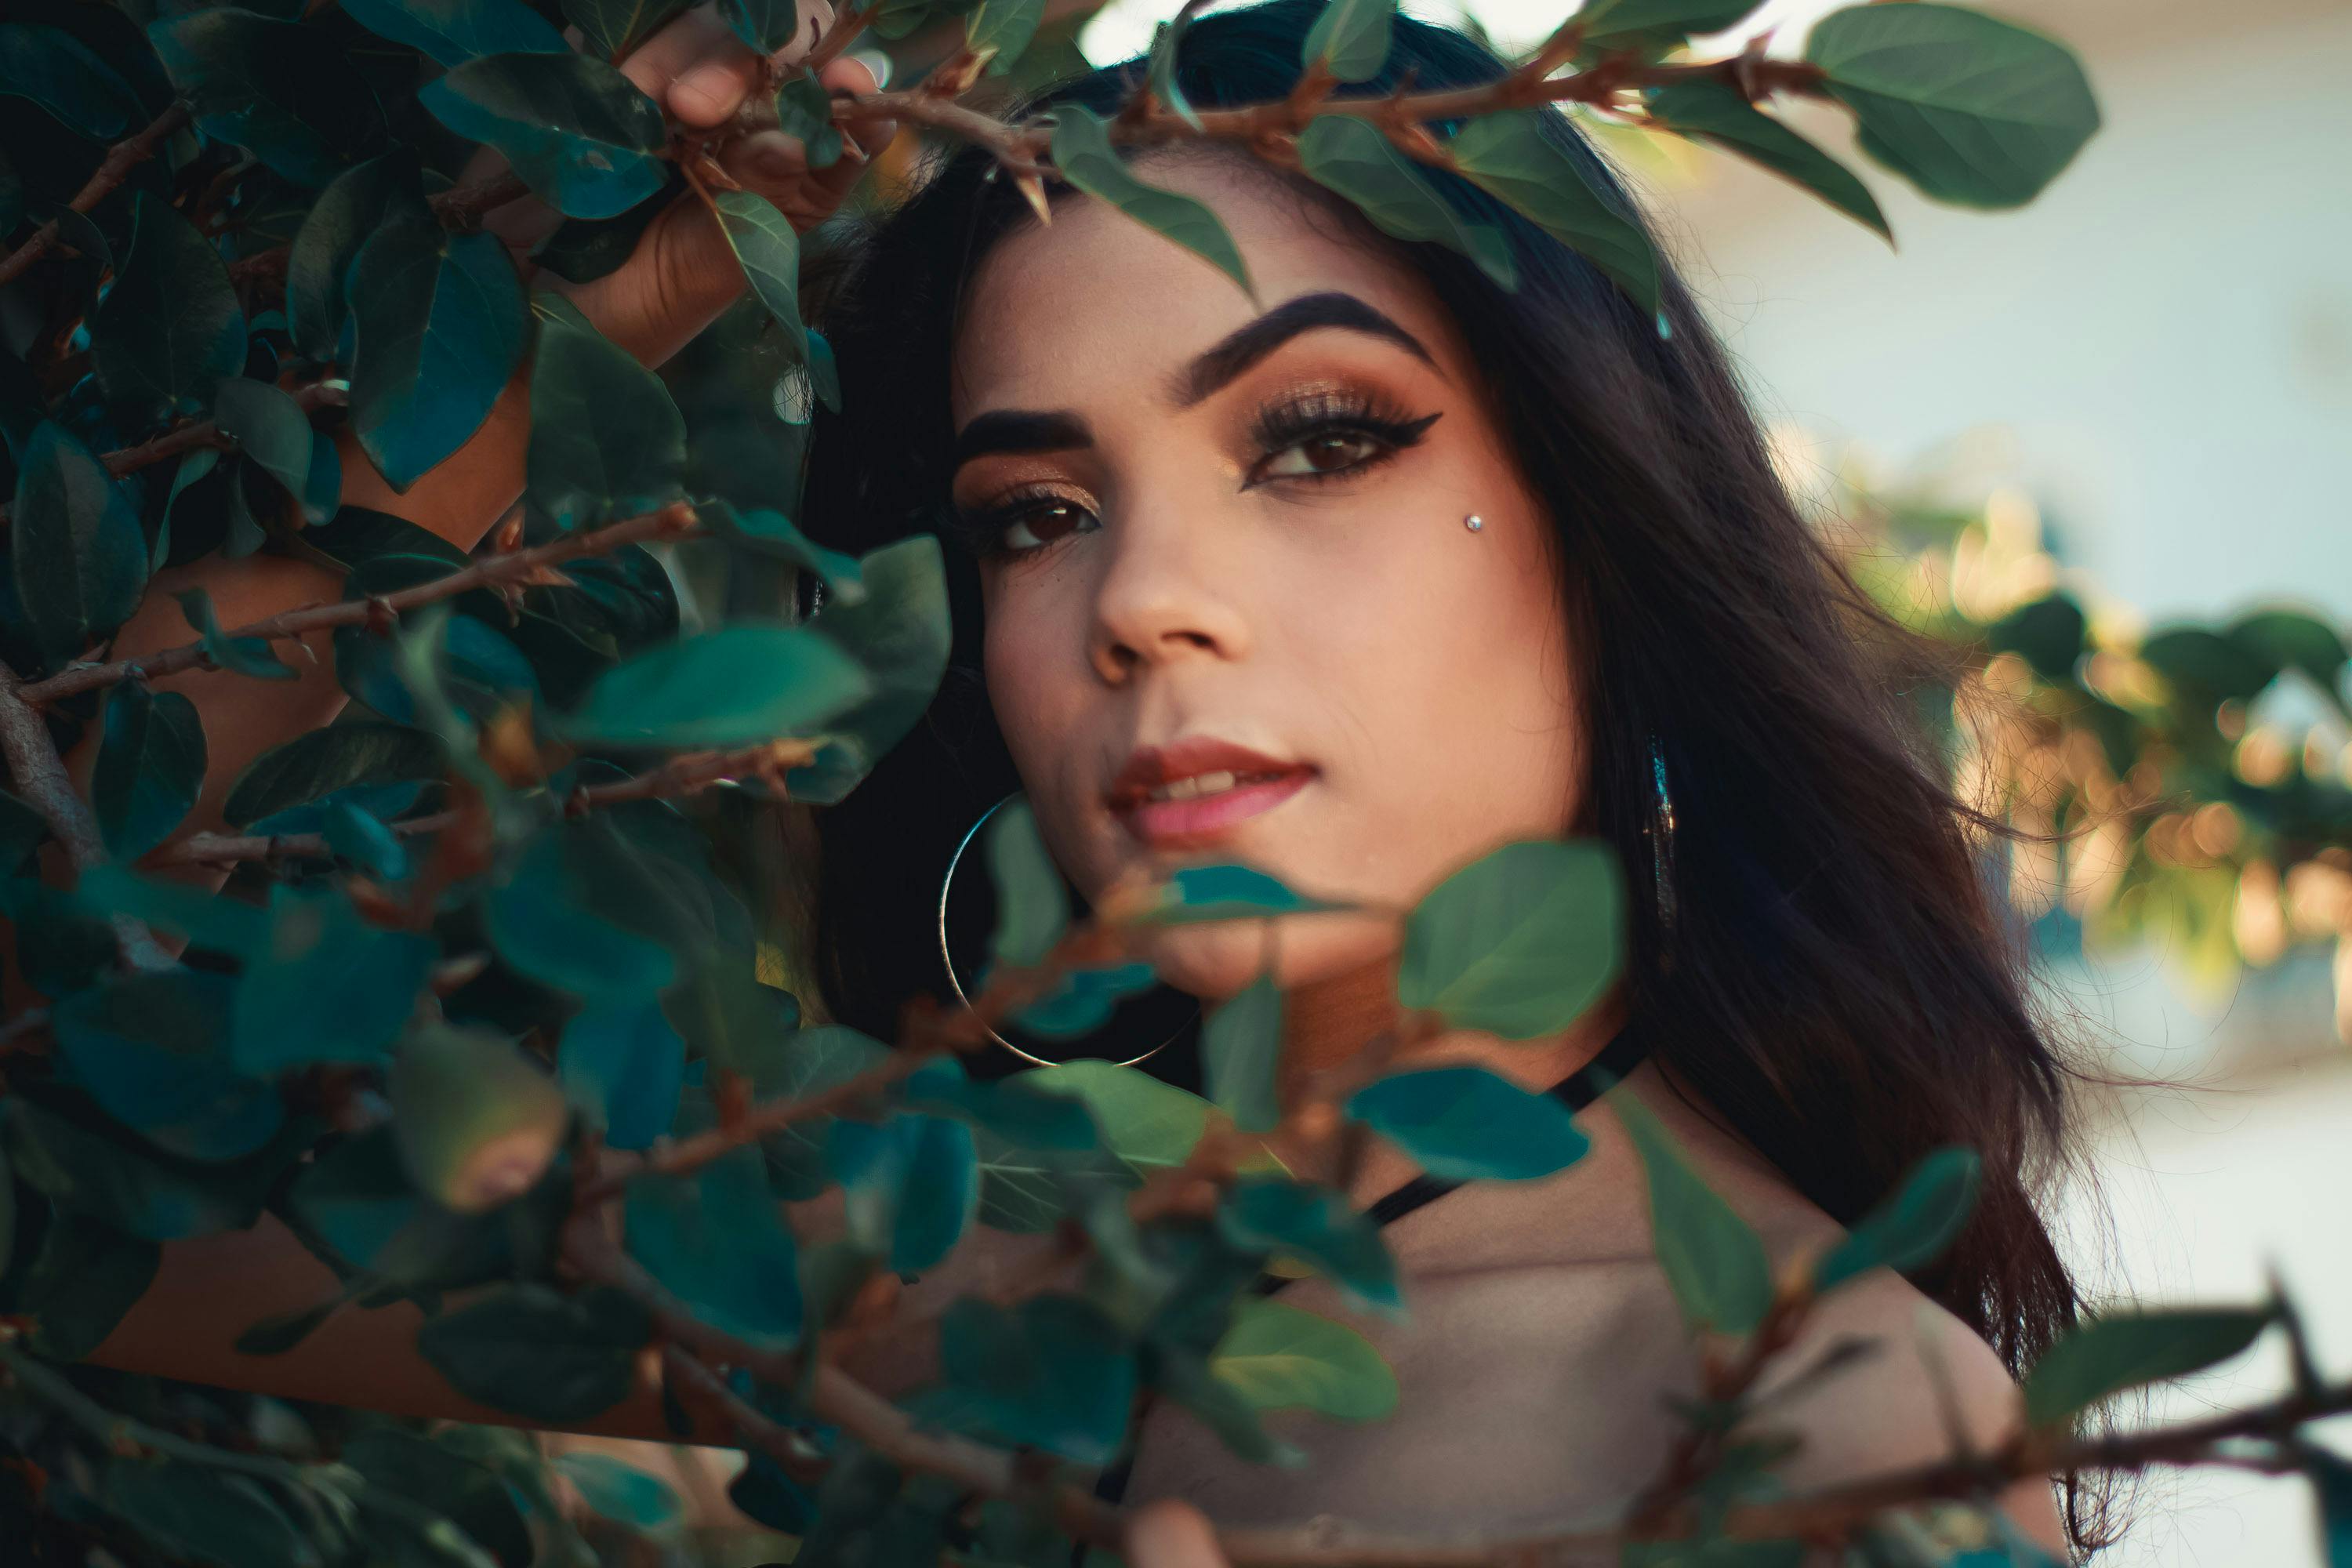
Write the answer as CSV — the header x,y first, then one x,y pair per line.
x,y
1172,1534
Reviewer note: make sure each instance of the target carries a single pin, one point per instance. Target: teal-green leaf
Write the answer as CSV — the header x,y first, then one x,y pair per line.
x,y
1032,906
769,251
768,532
1711,112
269,428
221,925
613,29
150,768
580,134
747,682
360,837
716,1240
624,1066
338,224
284,89
1520,941
1351,38
2289,640
531,1351
1714,1260
2048,633
1192,894
1014,1107
1241,1046
1315,1224
1149,1124
241,656
622,1493
913,1185
75,543
899,634
197,1513
1280,1357
2103,1356
1622,24
51,68
441,323
1083,1000
102,1177
151,1049
1188,1379
455,31
2331,1480
764,26
464,1490
1913,1227
478,1120
1052,1372
319,764
1346,153
804,112
1161,73
1513,157
999,30
1971,109
1084,153
540,921
79,1284
606,442
1464,1123
795,1064
326,986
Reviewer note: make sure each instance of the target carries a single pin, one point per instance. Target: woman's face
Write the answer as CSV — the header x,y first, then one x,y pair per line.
x,y
1233,609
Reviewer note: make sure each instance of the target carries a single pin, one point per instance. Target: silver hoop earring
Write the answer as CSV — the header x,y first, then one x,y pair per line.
x,y
955,981
1661,832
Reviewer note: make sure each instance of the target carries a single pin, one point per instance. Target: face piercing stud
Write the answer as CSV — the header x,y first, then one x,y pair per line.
x,y
1474,522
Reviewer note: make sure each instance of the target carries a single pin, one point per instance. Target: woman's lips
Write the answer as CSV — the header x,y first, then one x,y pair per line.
x,y
1203,819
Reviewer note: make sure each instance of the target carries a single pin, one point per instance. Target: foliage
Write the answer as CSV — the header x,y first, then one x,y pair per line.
x,y
480,983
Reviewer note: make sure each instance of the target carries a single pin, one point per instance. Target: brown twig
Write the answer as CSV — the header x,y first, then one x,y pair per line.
x,y
121,159
513,568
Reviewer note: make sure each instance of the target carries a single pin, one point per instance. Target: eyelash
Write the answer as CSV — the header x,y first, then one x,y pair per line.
x,y
1275,430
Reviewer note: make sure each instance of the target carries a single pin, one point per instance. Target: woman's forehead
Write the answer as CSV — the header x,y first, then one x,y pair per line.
x,y
1097,299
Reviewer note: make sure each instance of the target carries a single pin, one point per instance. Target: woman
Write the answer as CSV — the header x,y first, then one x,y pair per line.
x,y
1437,567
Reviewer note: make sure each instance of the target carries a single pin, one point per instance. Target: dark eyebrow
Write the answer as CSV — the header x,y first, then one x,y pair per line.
x,y
1019,430
1245,346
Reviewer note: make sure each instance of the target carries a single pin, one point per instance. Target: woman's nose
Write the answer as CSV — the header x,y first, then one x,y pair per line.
x,y
1166,592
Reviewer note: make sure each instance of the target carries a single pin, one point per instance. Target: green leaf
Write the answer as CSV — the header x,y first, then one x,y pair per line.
x,y
748,681
1971,109
347,212
580,134
2288,639
606,442
151,1050
900,635
1166,45
764,26
356,1199
913,1185
269,428
1714,1259
2205,668
622,1493
1032,908
150,768
1625,24
455,31
999,30
1014,1107
1147,1124
526,1349
1349,155
79,1283
200,1514
623,1066
441,326
1351,38
795,1065
771,534
770,250
1516,158
283,90
1518,943
1083,152
326,986
1193,894
1052,1372
2103,1356
478,1121
804,112
360,837
544,920
2048,634
2331,1479
1466,1123
1714,113
1190,1381
75,543
1241,1046
99,1175
613,29
1317,1225
222,925
1278,1357
718,1241
466,1492
51,68
1911,1228
1083,1000
240,655
319,764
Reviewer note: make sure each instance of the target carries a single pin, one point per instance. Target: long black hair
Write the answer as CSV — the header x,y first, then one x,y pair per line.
x,y
1844,989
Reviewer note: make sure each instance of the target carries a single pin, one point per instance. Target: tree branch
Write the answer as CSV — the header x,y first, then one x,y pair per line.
x,y
121,159
513,568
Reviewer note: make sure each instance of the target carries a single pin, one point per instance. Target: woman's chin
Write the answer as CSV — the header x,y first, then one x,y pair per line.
x,y
1214,961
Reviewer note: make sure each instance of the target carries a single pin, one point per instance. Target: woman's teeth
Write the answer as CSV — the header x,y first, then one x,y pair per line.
x,y
1198,785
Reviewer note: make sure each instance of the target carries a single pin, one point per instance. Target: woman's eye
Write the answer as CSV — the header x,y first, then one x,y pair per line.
x,y
1034,527
1325,452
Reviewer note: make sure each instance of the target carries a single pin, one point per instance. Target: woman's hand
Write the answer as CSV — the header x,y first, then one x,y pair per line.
x,y
683,272
1172,1534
